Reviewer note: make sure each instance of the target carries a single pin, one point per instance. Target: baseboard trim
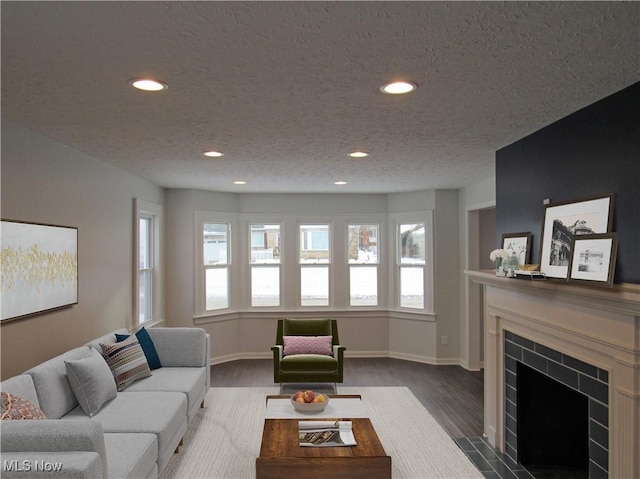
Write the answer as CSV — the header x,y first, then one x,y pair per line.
x,y
350,354
425,359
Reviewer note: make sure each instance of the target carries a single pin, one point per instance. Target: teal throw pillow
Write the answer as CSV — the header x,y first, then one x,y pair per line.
x,y
147,346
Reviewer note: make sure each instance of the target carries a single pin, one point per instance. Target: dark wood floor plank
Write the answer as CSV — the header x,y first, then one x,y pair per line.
x,y
453,395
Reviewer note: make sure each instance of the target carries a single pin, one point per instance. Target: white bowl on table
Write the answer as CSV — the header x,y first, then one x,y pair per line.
x,y
309,406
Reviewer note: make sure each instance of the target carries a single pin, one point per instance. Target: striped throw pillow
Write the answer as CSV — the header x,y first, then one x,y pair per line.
x,y
127,361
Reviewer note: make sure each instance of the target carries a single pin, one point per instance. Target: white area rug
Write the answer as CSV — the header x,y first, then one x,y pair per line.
x,y
223,440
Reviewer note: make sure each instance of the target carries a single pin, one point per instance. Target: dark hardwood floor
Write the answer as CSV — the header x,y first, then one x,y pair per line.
x,y
453,395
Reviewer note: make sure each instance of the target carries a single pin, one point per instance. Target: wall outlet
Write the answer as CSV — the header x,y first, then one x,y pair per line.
x,y
444,340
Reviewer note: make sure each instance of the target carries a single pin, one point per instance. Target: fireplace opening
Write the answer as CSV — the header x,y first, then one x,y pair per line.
x,y
552,426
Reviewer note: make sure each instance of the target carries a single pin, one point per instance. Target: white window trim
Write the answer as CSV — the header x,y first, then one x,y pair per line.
x,y
147,209
331,300
200,306
395,220
240,267
378,265
249,271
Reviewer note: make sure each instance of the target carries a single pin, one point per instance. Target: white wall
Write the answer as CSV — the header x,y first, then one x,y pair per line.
x,y
472,200
46,182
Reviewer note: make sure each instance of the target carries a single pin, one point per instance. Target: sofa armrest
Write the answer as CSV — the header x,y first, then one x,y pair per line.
x,y
181,347
54,435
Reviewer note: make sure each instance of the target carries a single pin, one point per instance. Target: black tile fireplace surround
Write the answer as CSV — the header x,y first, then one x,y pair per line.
x,y
575,379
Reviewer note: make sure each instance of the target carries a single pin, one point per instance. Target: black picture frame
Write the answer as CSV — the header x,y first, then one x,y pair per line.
x,y
593,259
520,244
562,221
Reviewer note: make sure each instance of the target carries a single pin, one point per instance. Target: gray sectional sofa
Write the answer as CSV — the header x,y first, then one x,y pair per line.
x,y
131,436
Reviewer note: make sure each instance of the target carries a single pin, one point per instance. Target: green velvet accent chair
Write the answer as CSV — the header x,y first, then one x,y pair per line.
x,y
308,368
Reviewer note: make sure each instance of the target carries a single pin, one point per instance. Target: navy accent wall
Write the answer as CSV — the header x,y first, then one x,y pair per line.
x,y
593,151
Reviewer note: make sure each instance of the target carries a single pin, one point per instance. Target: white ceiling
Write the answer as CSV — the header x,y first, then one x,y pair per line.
x,y
287,89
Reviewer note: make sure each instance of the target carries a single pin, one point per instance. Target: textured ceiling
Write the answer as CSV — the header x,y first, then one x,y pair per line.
x,y
287,89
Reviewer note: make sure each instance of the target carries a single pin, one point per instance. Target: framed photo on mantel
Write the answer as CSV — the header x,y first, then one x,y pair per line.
x,y
518,244
593,259
563,221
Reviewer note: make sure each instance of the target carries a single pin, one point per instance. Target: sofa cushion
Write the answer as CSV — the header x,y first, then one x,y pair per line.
x,y
127,361
159,413
190,381
91,381
307,345
131,455
55,395
305,363
21,385
16,407
146,343
181,347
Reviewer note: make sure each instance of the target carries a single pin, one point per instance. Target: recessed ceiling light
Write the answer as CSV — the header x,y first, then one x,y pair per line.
x,y
239,182
148,85
399,87
358,154
340,182
213,154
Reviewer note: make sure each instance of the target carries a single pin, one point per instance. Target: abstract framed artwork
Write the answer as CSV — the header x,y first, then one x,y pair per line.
x,y
563,221
519,244
593,259
39,268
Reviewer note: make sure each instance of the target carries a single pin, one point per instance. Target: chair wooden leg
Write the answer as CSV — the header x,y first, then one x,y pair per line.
x,y
180,444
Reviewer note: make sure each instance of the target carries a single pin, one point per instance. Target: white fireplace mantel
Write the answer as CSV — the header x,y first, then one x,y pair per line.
x,y
600,326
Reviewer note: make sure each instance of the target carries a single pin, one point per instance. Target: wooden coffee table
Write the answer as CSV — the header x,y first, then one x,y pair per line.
x,y
281,456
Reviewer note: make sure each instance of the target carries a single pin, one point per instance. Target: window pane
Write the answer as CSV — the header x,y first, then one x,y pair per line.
x,y
145,296
265,244
216,288
363,285
412,287
144,248
314,243
412,243
216,249
265,286
314,285
362,243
